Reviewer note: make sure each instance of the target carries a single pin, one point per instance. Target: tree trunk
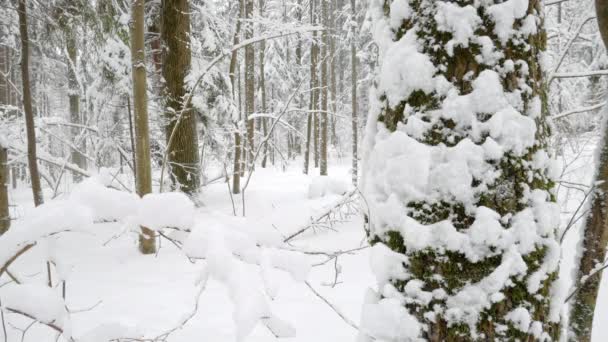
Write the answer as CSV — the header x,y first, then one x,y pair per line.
x,y
249,83
183,152
324,93
595,238
236,168
463,220
263,88
310,130
353,76
5,220
147,241
27,106
78,139
332,71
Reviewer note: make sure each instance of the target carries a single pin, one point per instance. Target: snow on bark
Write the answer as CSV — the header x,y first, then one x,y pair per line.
x,y
459,184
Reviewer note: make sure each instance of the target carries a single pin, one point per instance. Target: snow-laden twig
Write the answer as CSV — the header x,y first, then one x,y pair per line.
x,y
578,110
32,317
567,47
332,306
584,281
345,200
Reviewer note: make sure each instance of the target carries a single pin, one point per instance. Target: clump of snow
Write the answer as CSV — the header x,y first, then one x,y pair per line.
x,y
521,319
505,14
461,22
106,204
388,320
405,70
169,209
322,186
38,301
400,11
228,251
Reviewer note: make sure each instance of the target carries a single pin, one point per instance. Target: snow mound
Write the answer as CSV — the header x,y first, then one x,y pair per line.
x,y
324,185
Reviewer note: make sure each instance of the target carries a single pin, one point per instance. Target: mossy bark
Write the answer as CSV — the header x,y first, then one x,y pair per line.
x,y
183,153
455,271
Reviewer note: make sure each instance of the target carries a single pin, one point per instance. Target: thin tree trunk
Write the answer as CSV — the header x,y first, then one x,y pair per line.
x,y
77,156
324,93
5,220
263,87
27,106
332,71
183,152
236,171
147,242
355,116
313,95
595,238
249,82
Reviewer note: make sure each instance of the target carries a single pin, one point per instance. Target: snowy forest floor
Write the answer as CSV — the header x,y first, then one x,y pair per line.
x,y
111,282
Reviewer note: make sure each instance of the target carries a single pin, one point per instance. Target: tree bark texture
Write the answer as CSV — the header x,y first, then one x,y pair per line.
x,y
183,155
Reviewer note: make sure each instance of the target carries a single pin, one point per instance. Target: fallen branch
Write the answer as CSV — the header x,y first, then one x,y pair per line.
x,y
346,199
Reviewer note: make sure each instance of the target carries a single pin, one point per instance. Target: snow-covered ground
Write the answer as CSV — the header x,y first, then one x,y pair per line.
x,y
109,283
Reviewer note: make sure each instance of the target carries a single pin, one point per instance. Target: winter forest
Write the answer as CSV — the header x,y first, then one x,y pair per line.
x,y
303,170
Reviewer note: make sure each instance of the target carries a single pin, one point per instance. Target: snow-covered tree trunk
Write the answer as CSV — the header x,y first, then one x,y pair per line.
x,y
456,173
183,154
143,170
595,236
32,158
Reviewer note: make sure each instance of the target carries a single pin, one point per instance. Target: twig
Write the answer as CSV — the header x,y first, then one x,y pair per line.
x,y
3,323
50,325
14,257
582,284
344,318
344,200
